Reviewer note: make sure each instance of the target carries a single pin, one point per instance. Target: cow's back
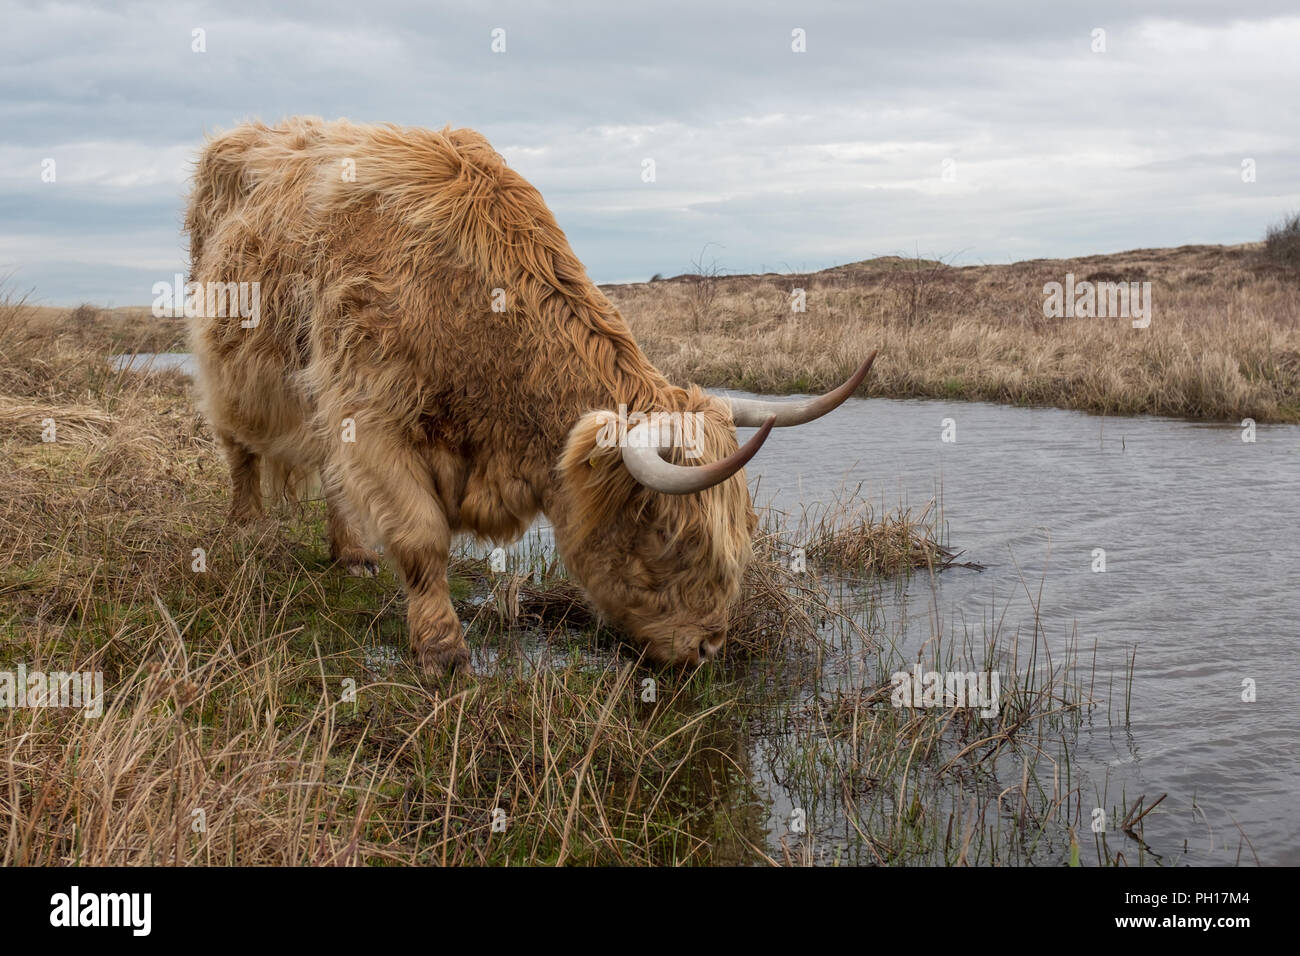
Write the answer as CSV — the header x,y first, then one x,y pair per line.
x,y
382,254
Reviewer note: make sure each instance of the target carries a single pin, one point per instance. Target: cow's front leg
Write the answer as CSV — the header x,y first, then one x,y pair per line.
x,y
388,482
346,546
437,638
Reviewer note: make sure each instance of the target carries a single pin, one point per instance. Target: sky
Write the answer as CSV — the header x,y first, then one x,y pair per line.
x,y
973,132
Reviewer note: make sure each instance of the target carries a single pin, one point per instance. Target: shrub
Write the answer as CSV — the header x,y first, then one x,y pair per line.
x,y
84,315
1282,241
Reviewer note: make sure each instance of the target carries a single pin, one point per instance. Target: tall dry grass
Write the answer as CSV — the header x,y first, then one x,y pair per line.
x,y
1223,344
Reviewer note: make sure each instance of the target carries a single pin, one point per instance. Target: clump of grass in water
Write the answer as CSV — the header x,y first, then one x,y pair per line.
x,y
851,537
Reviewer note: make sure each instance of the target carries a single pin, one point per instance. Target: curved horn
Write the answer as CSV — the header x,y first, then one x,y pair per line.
x,y
647,465
754,411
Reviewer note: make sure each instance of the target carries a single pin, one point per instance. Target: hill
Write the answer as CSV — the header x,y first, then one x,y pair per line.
x,y
1221,340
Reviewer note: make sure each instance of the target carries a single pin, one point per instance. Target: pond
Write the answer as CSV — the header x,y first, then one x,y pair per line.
x,y
1201,539
156,362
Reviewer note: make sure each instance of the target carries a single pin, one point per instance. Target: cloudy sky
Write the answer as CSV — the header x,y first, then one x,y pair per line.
x,y
974,132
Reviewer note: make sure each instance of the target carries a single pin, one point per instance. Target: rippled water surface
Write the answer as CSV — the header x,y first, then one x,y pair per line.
x,y
1201,533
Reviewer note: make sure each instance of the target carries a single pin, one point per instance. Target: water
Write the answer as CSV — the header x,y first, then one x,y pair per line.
x,y
1201,539
1201,533
156,362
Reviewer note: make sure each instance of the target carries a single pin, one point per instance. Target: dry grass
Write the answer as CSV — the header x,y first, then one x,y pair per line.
x,y
230,734
1223,344
851,537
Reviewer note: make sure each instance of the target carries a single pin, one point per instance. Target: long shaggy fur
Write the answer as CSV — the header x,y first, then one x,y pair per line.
x,y
381,253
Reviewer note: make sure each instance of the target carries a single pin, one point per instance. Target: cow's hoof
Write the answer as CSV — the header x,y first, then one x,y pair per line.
x,y
359,562
440,659
244,514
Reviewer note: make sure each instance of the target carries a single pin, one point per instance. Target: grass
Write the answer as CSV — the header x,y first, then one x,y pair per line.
x,y
264,709
1223,343
850,536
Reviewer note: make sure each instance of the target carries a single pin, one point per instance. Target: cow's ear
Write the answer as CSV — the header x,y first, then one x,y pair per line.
x,y
594,443
592,475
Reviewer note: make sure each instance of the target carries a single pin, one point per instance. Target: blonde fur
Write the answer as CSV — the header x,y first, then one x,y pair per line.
x,y
377,315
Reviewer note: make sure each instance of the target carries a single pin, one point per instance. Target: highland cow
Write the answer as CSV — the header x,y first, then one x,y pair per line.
x,y
430,345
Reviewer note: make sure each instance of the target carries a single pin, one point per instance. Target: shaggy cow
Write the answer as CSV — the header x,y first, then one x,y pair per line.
x,y
427,341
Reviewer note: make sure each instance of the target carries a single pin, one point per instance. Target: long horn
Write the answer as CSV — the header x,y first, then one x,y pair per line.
x,y
753,411
647,465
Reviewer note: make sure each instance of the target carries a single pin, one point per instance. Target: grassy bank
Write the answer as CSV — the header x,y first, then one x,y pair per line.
x,y
263,709
1223,342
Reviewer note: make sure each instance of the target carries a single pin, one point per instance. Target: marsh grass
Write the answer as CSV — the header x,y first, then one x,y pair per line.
x,y
264,710
853,536
1223,343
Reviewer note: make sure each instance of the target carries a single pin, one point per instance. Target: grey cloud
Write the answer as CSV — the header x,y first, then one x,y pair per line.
x,y
804,159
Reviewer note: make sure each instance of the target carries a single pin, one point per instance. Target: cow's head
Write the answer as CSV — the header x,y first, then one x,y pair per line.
x,y
657,520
